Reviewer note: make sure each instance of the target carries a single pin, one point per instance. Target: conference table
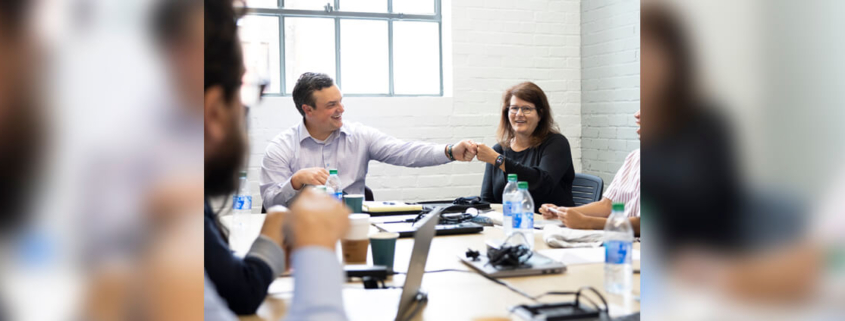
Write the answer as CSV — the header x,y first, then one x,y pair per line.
x,y
457,295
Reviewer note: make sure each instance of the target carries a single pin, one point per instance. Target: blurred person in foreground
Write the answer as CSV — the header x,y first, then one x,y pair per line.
x,y
625,188
690,183
303,154
692,193
21,119
530,146
21,126
309,231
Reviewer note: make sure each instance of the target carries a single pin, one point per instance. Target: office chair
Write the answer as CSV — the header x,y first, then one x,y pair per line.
x,y
586,189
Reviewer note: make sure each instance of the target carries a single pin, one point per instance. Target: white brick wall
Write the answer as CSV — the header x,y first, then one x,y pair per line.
x,y
488,46
610,84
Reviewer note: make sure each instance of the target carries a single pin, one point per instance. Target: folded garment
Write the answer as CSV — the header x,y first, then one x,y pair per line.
x,y
563,237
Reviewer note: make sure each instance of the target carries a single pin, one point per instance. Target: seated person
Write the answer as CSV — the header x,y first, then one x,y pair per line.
x,y
309,231
302,154
530,146
625,188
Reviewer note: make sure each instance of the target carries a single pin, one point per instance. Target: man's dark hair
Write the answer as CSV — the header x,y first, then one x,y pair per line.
x,y
169,18
303,92
223,55
13,14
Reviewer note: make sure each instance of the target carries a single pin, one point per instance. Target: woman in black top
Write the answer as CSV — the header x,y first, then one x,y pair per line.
x,y
530,146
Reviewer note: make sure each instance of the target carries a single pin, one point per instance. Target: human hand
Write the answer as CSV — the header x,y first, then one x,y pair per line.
x,y
310,176
464,150
486,154
572,218
274,224
317,219
547,211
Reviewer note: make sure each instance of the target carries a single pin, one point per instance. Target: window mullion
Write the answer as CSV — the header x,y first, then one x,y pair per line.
x,y
390,52
337,51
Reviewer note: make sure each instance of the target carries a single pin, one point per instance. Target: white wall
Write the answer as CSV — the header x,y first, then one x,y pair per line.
x,y
610,70
494,45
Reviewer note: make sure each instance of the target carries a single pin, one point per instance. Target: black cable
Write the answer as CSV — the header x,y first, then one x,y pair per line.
x,y
436,271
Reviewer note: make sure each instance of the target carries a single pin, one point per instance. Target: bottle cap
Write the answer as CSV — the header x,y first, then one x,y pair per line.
x,y
522,185
332,172
618,207
511,177
243,174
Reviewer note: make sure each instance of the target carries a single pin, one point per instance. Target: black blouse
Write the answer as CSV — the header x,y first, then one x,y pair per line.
x,y
547,168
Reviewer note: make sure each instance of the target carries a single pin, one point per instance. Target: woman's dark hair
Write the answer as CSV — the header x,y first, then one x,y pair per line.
x,y
223,54
661,25
530,92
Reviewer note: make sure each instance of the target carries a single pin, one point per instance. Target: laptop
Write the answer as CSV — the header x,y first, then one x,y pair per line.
x,y
396,304
408,229
538,264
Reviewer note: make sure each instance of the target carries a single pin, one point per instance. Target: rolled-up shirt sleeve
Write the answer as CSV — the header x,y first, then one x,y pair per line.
x,y
391,150
318,282
276,173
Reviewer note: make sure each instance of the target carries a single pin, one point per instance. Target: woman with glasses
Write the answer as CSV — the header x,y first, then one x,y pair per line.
x,y
530,146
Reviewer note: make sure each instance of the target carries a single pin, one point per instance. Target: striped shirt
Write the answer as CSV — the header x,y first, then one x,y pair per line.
x,y
625,187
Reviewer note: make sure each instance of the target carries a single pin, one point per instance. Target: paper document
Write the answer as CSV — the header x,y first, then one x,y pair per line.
x,y
581,255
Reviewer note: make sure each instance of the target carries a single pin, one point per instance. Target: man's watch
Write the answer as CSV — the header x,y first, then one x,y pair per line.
x,y
500,160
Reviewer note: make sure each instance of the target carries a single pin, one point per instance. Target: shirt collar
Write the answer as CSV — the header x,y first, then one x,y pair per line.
x,y
303,132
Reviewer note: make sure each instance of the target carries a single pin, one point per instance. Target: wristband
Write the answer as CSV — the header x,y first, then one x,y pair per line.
x,y
449,148
499,161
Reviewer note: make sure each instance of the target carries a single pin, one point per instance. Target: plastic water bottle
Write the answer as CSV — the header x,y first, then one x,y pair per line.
x,y
241,206
242,201
523,219
618,239
510,204
333,186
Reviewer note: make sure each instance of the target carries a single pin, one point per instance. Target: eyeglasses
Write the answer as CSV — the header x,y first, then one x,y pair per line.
x,y
525,110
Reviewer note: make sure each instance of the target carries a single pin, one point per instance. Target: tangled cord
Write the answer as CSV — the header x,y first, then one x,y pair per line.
x,y
508,255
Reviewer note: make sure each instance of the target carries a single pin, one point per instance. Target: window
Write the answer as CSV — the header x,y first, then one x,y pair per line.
x,y
370,47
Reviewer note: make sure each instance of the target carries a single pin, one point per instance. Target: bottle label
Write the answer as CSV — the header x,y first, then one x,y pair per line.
x,y
339,196
508,208
242,202
529,220
517,219
617,252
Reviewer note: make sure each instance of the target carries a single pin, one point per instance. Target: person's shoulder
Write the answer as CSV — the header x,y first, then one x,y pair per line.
x,y
285,139
556,139
633,156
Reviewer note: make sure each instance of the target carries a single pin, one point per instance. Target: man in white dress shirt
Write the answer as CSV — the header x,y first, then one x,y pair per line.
x,y
303,154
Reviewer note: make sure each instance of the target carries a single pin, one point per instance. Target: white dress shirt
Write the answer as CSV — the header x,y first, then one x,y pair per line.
x,y
348,149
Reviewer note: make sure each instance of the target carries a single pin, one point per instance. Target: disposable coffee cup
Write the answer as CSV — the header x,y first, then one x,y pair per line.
x,y
355,202
384,248
356,243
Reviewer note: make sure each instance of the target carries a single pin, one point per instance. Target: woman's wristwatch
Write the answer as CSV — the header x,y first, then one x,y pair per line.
x,y
499,161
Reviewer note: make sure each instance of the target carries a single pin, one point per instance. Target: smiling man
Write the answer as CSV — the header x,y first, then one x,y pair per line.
x,y
303,154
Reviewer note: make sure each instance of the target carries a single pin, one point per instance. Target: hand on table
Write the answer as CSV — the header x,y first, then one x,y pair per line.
x,y
572,218
546,210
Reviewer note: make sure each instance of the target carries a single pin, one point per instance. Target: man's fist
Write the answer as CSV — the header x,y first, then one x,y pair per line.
x,y
464,150
309,176
317,219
